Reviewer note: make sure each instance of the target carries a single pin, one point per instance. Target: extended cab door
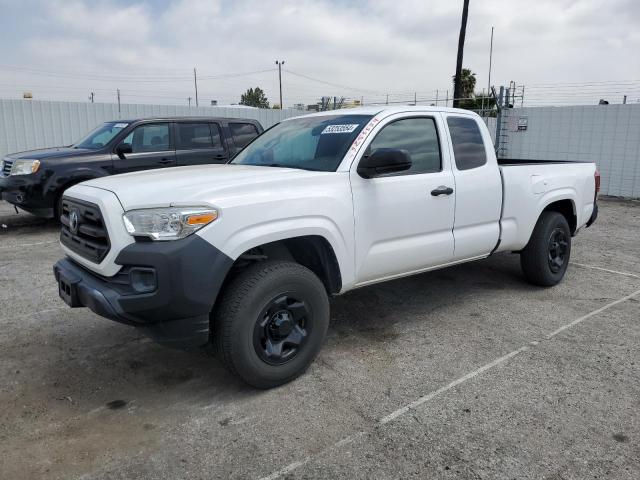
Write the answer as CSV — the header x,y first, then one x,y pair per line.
x,y
151,147
199,143
404,221
478,186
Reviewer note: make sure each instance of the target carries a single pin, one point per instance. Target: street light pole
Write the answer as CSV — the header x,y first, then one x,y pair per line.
x,y
490,59
195,83
280,63
457,85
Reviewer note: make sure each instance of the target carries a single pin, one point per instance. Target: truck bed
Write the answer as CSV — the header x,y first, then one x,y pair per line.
x,y
528,185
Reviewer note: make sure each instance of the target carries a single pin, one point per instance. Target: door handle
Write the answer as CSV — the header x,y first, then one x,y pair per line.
x,y
442,190
164,161
220,156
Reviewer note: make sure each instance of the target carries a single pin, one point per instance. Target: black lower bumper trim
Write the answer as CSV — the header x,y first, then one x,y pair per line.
x,y
189,273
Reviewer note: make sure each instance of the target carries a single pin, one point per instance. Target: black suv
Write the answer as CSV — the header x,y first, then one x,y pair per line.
x,y
35,180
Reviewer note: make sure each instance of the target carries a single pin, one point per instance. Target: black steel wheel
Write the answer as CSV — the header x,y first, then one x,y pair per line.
x,y
545,259
280,332
270,322
558,247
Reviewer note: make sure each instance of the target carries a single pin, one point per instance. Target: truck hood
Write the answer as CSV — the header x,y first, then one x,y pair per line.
x,y
198,185
51,153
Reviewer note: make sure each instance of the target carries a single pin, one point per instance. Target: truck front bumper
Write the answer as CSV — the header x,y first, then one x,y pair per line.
x,y
167,289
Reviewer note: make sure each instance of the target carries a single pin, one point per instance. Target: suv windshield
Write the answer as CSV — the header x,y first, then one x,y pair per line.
x,y
102,135
309,143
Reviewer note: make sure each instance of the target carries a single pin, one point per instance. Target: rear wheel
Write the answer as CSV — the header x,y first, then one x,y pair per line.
x,y
270,322
545,259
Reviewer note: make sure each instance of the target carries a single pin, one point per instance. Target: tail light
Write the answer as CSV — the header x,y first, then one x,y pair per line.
x,y
596,176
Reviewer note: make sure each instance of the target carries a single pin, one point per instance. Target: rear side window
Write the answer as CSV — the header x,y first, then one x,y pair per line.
x,y
468,146
197,135
243,133
418,136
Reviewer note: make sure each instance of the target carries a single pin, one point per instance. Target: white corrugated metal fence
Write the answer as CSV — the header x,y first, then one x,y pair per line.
x,y
608,135
29,124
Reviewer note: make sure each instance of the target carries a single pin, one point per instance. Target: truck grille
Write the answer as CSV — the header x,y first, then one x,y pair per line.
x,y
5,169
83,230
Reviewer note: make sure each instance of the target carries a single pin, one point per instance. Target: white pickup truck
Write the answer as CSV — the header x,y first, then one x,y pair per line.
x,y
243,257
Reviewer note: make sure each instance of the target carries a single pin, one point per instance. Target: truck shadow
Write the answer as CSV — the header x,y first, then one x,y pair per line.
x,y
129,366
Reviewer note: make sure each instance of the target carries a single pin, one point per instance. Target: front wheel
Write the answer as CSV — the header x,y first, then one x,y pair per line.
x,y
270,322
545,259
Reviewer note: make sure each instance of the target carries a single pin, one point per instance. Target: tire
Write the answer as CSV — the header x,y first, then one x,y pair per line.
x,y
545,259
57,208
260,316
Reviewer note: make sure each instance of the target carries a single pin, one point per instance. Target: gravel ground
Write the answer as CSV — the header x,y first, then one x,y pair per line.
x,y
467,372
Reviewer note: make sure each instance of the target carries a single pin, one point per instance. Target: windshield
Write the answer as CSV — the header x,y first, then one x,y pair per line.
x,y
102,135
309,143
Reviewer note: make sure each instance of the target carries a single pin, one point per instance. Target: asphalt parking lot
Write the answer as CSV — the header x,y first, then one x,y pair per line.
x,y
467,372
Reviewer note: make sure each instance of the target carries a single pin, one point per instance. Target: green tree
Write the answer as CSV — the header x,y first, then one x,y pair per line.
x,y
254,97
468,98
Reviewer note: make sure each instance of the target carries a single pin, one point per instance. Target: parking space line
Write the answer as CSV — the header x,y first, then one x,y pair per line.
x,y
430,396
593,267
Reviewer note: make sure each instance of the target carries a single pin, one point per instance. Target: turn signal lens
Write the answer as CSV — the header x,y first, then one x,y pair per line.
x,y
201,218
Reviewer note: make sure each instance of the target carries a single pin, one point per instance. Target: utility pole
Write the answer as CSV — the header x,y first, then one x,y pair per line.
x,y
624,100
280,63
457,86
437,98
490,59
118,90
195,82
387,99
446,102
91,95
415,98
189,100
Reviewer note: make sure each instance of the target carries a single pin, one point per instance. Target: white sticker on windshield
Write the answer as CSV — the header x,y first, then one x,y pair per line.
x,y
339,128
120,125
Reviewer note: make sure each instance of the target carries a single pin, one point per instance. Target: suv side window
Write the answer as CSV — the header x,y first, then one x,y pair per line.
x,y
243,133
468,147
197,135
152,137
419,137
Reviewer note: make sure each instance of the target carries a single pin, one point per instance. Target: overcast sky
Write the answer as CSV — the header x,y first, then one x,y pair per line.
x,y
66,49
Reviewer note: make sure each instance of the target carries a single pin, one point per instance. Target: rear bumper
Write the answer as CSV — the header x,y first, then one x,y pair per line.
x,y
172,305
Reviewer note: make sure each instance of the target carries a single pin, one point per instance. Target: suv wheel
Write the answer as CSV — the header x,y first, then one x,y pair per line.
x,y
270,322
545,259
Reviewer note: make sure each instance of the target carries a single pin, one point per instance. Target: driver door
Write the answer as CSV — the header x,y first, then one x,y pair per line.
x,y
401,225
152,146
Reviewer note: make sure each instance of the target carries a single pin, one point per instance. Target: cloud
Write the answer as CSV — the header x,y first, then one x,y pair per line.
x,y
149,48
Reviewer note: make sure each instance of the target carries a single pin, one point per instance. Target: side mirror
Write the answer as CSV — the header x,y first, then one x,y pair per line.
x,y
384,161
124,149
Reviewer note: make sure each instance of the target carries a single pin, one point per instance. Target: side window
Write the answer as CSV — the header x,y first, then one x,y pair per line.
x,y
194,136
468,146
416,135
149,138
243,133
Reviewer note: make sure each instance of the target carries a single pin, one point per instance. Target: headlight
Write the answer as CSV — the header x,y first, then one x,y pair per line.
x,y
25,167
168,223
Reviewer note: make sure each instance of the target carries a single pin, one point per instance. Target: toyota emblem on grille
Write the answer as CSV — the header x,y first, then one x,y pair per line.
x,y
73,221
